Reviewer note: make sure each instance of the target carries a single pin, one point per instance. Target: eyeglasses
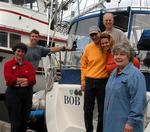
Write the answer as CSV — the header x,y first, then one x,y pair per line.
x,y
93,34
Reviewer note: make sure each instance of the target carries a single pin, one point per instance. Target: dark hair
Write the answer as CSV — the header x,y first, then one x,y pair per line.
x,y
35,31
21,46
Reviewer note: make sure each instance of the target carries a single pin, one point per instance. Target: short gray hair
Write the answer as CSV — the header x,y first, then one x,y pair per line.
x,y
126,48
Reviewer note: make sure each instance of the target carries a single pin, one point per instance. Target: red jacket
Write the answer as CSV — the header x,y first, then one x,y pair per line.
x,y
111,65
12,70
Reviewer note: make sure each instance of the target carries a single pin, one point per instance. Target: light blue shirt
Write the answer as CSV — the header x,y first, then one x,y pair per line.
x,y
125,100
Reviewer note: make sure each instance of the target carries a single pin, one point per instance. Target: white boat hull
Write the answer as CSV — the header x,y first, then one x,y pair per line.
x,y
64,109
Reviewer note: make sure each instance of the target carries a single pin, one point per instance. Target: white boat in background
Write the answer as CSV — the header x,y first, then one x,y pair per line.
x,y
17,19
64,100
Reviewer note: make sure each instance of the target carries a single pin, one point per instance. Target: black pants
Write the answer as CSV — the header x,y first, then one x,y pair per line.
x,y
95,88
19,103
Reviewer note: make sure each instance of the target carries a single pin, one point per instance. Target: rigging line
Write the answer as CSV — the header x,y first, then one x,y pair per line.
x,y
140,4
67,14
36,12
146,4
80,1
131,3
78,5
71,8
50,21
60,8
119,2
85,5
95,1
57,12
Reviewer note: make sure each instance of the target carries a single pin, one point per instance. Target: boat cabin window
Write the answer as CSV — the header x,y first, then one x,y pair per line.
x,y
42,43
121,21
140,22
3,39
4,1
81,28
79,34
14,39
79,31
30,4
9,39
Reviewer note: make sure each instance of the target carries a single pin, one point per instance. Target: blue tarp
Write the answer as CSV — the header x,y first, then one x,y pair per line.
x,y
144,42
37,113
70,76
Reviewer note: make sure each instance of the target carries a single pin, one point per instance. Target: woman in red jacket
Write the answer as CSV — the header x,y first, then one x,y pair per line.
x,y
20,78
107,42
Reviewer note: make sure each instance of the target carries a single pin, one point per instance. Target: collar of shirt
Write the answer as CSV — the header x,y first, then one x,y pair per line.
x,y
123,71
16,63
118,71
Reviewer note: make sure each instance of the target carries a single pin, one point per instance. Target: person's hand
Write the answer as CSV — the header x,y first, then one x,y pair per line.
x,y
23,82
128,128
65,48
83,85
68,49
19,80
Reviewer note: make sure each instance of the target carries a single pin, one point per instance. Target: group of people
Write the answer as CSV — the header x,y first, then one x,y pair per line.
x,y
107,74
110,74
19,73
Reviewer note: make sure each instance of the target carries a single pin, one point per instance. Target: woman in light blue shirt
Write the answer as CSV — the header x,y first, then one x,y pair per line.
x,y
125,98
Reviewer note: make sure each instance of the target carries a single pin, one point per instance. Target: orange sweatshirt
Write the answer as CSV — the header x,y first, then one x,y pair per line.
x,y
111,65
93,63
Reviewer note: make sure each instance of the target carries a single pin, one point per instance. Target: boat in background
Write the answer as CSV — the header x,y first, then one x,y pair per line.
x,y
17,19
64,100
61,102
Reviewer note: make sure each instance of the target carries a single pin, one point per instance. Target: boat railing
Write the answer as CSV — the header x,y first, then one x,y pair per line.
x,y
38,8
115,9
6,49
71,67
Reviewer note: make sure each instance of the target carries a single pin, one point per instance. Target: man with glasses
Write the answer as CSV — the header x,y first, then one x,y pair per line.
x,y
117,34
93,79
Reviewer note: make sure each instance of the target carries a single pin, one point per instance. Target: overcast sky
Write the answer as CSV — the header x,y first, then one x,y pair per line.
x,y
114,3
124,3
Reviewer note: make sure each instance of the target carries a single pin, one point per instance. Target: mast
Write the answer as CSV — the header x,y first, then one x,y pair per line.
x,y
100,4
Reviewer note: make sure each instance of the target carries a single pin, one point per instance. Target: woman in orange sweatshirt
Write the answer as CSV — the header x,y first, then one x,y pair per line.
x,y
106,42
